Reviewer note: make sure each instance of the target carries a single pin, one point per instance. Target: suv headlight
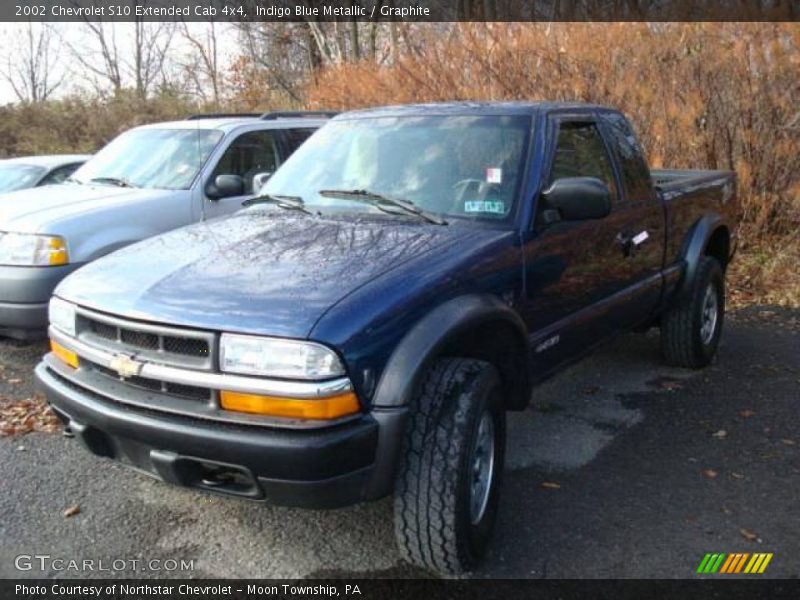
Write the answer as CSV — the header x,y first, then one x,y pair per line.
x,y
271,357
62,315
32,250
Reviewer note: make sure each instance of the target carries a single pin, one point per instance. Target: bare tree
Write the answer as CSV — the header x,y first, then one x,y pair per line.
x,y
31,69
102,56
281,55
275,62
132,54
201,65
151,44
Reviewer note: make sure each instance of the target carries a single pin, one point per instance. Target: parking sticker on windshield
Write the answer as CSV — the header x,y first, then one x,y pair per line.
x,y
494,175
495,207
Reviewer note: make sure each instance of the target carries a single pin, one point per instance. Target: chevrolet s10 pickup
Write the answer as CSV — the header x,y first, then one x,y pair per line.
x,y
363,326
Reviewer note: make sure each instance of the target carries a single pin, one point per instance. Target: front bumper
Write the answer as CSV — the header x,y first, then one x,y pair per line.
x,y
310,468
24,295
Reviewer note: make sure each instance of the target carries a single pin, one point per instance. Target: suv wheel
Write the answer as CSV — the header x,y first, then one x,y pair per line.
x,y
447,486
690,330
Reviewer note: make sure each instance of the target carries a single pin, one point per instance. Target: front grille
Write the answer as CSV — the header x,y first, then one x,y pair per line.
x,y
153,385
102,330
186,346
156,344
149,342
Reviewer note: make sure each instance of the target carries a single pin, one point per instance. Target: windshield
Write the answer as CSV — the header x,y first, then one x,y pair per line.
x,y
151,158
453,166
17,177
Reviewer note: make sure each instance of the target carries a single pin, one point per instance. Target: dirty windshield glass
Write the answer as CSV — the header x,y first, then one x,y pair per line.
x,y
151,158
17,177
454,166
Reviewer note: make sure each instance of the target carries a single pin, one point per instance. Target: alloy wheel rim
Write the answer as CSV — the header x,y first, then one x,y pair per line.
x,y
481,468
710,314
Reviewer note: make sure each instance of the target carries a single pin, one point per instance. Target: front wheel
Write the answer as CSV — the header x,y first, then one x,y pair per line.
x,y
690,330
446,492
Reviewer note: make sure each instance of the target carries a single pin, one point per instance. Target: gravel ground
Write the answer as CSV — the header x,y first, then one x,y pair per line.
x,y
620,468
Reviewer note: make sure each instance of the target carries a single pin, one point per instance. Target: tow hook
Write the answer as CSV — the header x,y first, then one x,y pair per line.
x,y
218,478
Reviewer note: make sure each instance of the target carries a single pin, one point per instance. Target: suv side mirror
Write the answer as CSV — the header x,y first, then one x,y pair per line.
x,y
578,198
225,186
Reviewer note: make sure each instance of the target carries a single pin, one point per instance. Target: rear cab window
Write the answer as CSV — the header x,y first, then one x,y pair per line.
x,y
634,172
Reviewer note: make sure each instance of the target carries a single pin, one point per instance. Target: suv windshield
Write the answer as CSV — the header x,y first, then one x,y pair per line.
x,y
151,158
453,166
17,177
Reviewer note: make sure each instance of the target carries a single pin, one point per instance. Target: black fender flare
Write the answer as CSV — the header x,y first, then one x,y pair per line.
x,y
430,334
409,361
695,244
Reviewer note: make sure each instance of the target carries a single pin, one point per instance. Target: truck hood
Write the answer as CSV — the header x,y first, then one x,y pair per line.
x,y
39,209
257,272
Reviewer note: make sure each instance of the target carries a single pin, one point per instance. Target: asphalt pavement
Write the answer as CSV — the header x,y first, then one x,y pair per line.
x,y
621,467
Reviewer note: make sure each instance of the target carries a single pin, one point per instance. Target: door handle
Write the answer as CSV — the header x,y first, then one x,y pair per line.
x,y
630,243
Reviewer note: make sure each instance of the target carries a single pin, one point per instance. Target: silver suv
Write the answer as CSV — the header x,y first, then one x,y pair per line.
x,y
146,181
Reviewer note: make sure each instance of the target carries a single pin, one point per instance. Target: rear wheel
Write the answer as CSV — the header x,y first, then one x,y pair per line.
x,y
691,330
447,487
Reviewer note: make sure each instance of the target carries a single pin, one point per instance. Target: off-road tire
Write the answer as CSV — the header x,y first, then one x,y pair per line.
x,y
682,342
432,514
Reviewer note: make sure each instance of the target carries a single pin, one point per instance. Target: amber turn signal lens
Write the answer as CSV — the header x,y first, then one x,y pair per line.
x,y
328,408
68,356
57,251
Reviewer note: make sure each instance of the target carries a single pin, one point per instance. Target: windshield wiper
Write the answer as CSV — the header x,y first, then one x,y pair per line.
x,y
117,181
383,202
287,202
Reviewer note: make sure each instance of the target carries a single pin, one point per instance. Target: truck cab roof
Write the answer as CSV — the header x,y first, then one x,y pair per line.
x,y
470,109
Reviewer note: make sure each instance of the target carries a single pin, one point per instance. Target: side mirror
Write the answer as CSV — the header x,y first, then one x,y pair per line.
x,y
225,186
260,180
578,198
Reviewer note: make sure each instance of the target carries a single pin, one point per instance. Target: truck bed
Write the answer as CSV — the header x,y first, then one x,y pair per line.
x,y
688,196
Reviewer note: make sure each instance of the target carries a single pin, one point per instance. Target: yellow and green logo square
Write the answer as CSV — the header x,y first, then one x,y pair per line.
x,y
741,562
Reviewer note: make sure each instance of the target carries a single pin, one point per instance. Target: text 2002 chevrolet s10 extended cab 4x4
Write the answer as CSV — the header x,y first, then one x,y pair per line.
x,y
362,328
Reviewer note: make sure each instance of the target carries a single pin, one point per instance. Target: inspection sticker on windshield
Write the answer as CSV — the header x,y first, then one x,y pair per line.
x,y
485,206
494,175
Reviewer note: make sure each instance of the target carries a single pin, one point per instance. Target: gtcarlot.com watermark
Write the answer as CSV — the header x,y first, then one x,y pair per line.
x,y
48,563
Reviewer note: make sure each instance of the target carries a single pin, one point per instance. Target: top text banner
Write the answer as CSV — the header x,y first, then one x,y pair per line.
x,y
412,11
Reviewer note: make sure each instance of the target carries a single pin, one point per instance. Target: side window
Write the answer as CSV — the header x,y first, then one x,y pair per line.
x,y
633,168
59,175
249,154
295,137
580,152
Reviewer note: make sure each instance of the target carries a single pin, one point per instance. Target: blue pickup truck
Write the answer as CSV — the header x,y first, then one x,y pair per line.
x,y
362,326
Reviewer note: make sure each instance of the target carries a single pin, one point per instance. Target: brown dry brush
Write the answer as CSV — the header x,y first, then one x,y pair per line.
x,y
702,95
82,123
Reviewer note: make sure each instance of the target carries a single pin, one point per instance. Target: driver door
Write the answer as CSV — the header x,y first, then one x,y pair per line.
x,y
251,154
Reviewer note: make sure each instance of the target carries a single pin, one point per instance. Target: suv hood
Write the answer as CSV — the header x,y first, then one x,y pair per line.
x,y
255,272
37,209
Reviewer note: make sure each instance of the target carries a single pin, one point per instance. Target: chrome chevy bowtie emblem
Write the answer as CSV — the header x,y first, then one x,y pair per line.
x,y
125,366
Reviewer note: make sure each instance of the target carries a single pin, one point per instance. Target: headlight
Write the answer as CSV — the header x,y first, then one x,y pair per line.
x,y
291,359
31,250
62,315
